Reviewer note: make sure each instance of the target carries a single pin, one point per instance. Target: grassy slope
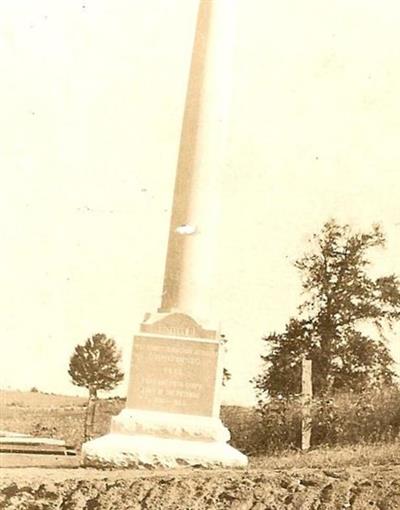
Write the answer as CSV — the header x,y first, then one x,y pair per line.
x,y
37,399
51,415
63,416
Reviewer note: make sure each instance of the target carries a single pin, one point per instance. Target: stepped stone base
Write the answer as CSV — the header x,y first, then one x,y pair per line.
x,y
152,439
121,451
169,425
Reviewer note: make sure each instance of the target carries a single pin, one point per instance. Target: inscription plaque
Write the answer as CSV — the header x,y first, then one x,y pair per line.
x,y
173,375
175,324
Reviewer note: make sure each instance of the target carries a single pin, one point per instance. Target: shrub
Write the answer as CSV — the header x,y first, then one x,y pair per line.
x,y
40,430
343,419
370,417
244,426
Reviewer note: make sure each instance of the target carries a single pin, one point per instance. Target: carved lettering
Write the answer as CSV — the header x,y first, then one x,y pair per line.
x,y
173,375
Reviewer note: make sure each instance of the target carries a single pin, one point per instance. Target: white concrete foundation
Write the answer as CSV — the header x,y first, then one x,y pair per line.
x,y
151,439
121,451
169,425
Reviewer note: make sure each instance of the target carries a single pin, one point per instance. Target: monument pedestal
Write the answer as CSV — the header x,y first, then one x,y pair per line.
x,y
172,414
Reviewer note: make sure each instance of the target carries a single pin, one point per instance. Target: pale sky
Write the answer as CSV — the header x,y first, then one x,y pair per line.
x,y
92,95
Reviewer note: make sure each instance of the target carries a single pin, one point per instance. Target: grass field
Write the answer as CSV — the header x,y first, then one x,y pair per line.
x,y
63,417
38,399
52,415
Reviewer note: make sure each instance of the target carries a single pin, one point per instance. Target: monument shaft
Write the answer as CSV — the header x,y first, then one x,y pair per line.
x,y
191,262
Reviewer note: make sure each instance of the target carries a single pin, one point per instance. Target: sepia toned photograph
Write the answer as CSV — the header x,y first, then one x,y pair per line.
x,y
201,255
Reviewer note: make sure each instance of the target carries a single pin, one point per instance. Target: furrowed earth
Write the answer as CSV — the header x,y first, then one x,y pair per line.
x,y
252,489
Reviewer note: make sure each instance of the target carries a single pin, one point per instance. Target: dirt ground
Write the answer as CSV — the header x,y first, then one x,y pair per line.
x,y
366,487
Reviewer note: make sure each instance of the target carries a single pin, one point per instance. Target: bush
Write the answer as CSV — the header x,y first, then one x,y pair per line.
x,y
344,419
40,430
244,425
370,417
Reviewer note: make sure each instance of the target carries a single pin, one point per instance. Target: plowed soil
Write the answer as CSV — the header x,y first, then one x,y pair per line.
x,y
365,487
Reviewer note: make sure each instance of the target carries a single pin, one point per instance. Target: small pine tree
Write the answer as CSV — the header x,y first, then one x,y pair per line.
x,y
95,366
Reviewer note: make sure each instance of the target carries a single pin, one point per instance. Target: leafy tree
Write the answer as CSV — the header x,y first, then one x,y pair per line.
x,y
226,377
333,328
95,366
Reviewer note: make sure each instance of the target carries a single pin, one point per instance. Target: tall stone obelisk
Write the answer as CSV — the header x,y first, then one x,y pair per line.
x,y
190,268
172,412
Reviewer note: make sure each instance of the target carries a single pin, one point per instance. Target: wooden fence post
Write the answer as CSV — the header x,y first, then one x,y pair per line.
x,y
306,392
